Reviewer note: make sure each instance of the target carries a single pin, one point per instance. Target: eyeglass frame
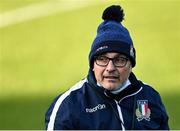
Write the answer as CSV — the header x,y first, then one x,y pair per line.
x,y
111,59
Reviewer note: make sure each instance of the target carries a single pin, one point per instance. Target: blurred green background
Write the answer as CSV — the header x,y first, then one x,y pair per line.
x,y
44,47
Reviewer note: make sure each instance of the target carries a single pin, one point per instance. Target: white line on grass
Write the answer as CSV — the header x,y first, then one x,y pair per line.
x,y
40,9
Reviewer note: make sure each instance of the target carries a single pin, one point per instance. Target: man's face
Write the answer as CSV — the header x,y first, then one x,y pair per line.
x,y
111,73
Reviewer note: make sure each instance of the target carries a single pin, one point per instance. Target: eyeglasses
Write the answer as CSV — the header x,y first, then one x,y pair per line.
x,y
117,61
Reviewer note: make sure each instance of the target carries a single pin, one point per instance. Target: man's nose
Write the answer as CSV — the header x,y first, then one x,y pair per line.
x,y
110,67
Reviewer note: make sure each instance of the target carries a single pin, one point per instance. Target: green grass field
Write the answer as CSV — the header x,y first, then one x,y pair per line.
x,y
44,56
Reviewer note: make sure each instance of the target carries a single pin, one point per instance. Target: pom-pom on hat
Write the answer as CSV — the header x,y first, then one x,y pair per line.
x,y
112,36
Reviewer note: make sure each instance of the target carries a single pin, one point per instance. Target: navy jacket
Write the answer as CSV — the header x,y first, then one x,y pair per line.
x,y
88,106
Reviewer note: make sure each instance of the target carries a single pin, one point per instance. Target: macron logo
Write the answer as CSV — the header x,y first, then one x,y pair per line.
x,y
96,108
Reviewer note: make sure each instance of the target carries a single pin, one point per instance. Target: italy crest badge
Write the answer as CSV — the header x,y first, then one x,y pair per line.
x,y
143,111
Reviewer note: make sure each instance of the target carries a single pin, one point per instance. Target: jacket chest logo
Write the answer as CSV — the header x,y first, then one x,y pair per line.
x,y
143,111
96,108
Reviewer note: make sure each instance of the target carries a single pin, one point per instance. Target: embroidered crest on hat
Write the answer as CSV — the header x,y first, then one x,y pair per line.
x,y
132,51
143,111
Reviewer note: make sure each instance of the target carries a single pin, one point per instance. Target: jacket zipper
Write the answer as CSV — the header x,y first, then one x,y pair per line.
x,y
120,115
119,108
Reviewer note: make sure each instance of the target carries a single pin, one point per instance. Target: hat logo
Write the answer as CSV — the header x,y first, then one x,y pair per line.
x,y
101,48
143,111
131,51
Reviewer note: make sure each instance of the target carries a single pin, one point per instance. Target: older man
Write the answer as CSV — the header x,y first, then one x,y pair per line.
x,y
110,97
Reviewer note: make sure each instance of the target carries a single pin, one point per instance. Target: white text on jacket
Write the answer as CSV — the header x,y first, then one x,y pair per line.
x,y
94,109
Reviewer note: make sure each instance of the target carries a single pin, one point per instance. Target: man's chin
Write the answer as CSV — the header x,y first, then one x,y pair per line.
x,y
110,86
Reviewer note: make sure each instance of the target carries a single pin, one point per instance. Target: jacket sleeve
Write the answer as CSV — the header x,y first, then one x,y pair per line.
x,y
165,118
158,114
58,116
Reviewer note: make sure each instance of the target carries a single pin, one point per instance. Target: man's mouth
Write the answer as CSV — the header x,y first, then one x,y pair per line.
x,y
111,77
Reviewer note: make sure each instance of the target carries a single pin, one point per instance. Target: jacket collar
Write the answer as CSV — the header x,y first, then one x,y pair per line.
x,y
92,81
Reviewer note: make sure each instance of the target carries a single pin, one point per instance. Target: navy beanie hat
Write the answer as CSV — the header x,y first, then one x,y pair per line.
x,y
112,36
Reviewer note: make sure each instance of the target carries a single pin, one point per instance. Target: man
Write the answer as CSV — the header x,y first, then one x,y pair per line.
x,y
110,97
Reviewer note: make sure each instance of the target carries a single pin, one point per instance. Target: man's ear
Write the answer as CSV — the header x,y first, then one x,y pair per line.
x,y
93,66
130,66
